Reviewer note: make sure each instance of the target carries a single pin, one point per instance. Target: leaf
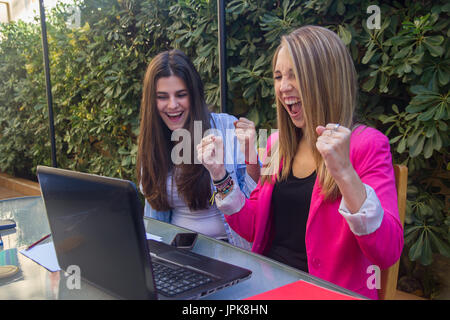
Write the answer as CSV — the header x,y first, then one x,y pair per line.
x,y
425,99
394,140
420,89
427,115
38,107
383,83
395,108
440,112
340,8
442,247
401,146
386,119
416,249
126,161
415,108
369,84
428,149
250,91
345,35
403,52
434,40
443,77
411,116
427,254
442,126
411,233
369,54
401,40
437,142
417,148
435,51
412,139
261,61
407,68
430,131
446,7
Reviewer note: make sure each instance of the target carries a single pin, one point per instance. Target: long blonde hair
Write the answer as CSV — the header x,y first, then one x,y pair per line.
x,y
327,81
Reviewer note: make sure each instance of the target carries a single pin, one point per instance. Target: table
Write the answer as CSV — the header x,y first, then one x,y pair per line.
x,y
35,282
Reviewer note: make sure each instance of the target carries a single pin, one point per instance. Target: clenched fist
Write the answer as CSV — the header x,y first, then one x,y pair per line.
x,y
246,135
333,144
210,152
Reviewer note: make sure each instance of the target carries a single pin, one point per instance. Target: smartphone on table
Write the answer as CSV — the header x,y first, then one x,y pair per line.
x,y
184,240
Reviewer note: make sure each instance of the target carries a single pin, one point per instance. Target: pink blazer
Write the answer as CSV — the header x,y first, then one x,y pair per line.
x,y
334,252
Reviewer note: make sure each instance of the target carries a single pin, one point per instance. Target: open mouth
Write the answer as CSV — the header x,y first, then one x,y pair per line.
x,y
294,106
175,116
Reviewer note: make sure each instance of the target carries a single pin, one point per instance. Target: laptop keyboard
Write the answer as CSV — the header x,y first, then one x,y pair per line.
x,y
172,280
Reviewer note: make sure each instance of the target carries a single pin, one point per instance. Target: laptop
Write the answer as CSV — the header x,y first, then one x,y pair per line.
x,y
97,224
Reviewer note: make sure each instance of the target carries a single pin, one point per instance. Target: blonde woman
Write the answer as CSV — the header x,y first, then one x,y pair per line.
x,y
330,207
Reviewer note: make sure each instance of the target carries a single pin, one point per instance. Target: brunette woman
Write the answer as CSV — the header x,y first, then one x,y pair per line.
x,y
174,117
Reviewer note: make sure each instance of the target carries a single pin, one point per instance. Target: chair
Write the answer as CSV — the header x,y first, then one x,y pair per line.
x,y
389,276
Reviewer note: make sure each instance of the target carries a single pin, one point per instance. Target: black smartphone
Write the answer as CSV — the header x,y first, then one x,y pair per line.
x,y
184,240
7,224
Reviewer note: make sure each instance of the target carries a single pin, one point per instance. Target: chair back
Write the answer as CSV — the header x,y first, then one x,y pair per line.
x,y
389,276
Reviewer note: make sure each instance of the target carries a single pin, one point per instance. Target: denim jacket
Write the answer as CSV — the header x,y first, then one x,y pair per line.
x,y
223,124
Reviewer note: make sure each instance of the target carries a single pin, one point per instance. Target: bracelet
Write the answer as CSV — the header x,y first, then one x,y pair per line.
x,y
226,187
223,187
224,184
218,182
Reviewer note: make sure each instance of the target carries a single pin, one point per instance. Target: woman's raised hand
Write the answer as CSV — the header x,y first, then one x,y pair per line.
x,y
210,152
246,135
333,144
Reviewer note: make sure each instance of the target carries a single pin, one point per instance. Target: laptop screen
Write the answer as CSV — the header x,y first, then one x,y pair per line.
x,y
97,225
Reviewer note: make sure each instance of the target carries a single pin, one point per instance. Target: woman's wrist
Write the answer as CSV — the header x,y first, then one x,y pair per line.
x,y
225,185
222,180
252,158
345,175
352,190
218,175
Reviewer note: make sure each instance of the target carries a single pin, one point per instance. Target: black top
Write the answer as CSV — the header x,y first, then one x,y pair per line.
x,y
291,200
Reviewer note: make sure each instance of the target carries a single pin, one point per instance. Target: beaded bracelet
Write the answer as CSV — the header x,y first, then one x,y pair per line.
x,y
218,182
224,186
227,187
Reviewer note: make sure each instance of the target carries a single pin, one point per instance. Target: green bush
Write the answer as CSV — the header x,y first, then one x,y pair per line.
x,y
97,70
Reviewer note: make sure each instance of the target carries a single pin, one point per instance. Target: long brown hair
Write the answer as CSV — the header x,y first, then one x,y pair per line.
x,y
327,81
154,154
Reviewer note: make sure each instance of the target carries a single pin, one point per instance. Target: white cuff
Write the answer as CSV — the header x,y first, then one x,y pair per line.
x,y
368,218
232,203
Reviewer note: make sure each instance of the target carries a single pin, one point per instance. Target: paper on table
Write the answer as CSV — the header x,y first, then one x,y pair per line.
x,y
45,255
153,237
